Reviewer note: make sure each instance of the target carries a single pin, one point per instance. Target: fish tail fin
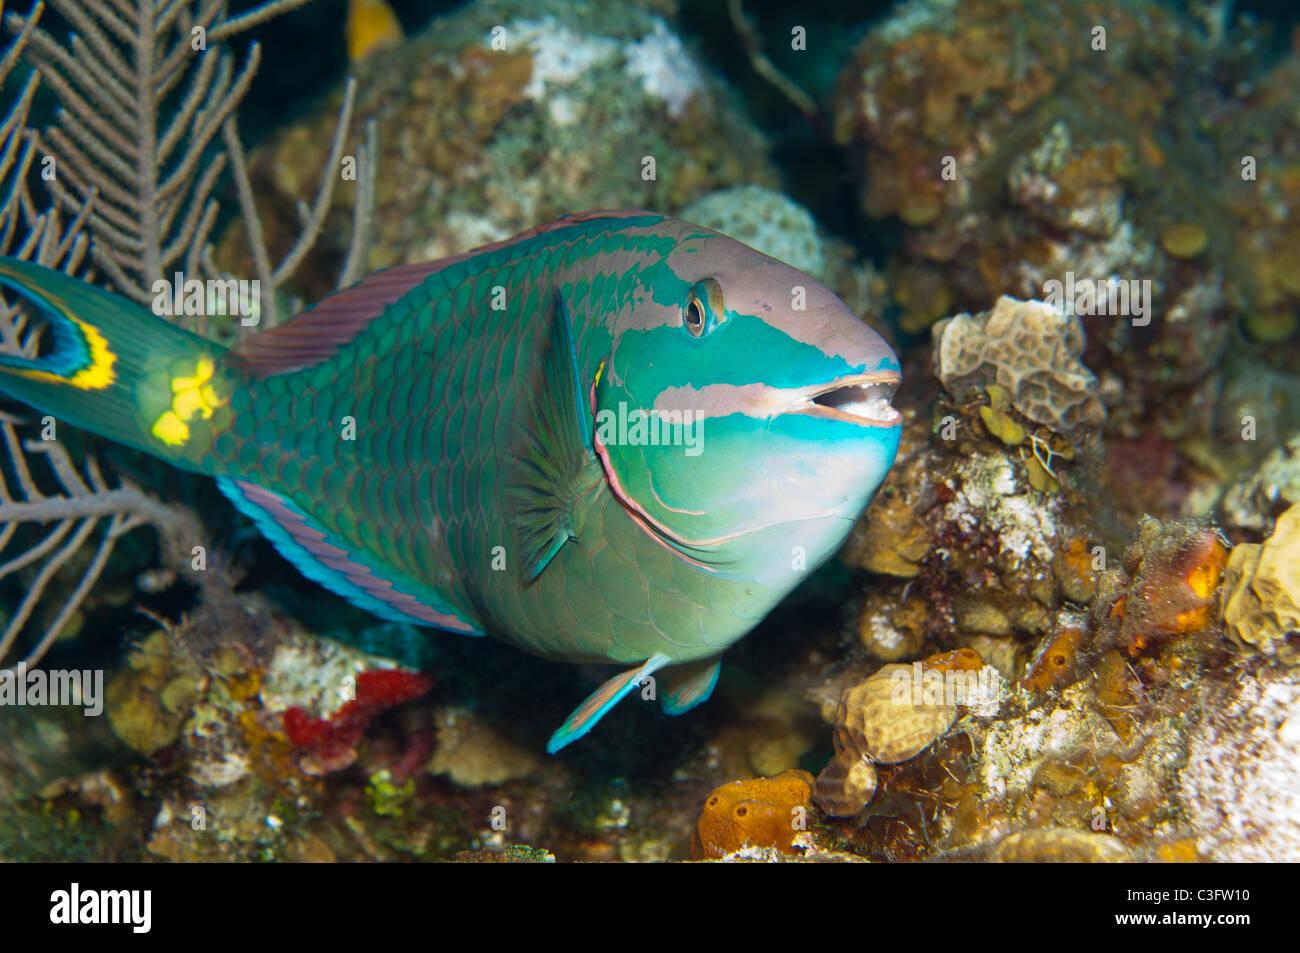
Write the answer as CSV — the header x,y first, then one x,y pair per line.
x,y
108,365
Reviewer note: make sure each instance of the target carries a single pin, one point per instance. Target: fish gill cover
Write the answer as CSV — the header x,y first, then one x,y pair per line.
x,y
341,265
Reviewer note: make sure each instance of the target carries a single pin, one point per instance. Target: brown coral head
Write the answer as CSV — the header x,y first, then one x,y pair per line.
x,y
845,786
1261,592
895,714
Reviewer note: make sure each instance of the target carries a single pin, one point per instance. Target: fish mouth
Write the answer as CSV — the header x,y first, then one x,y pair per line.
x,y
863,399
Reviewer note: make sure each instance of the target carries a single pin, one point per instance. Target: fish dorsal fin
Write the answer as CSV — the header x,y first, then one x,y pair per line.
x,y
318,333
552,461
600,701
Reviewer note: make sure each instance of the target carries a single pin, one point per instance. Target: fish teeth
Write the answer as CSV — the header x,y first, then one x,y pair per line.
x,y
873,408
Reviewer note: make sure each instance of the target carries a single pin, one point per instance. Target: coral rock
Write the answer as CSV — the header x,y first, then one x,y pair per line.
x,y
1274,486
149,699
1238,788
1168,590
1185,240
765,220
886,724
1030,350
1061,845
1261,602
845,786
474,755
329,744
878,721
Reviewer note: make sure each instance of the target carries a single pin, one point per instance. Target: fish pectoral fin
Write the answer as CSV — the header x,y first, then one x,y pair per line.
x,y
685,686
609,694
552,462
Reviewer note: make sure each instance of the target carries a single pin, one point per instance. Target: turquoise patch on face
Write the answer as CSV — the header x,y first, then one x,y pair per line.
x,y
727,355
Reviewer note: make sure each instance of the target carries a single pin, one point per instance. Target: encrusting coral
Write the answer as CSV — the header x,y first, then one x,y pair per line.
x,y
895,715
1261,591
1031,351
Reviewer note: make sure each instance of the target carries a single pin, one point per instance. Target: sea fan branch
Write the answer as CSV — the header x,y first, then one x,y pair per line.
x,y
146,129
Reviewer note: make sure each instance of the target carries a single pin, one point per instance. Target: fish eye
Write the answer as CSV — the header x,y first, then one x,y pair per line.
x,y
695,316
703,310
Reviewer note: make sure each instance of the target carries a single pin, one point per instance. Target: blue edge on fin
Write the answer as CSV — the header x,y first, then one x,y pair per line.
x,y
672,706
611,692
309,565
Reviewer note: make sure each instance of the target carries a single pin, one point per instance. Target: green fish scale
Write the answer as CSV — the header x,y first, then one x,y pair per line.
x,y
434,384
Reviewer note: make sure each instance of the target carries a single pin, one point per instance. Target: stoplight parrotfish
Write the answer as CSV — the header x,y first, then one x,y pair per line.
x,y
447,444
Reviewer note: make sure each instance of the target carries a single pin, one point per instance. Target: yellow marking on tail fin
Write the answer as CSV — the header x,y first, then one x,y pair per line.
x,y
97,376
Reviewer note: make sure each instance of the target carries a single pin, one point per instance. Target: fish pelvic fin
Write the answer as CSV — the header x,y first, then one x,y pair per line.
x,y
685,686
600,701
114,368
553,462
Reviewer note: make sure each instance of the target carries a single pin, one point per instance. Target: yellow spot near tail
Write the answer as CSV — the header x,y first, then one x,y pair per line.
x,y
171,430
371,26
191,396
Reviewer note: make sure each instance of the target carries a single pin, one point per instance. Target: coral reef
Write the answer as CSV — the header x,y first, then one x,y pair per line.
x,y
1261,591
474,755
776,225
1066,630
556,112
1031,351
1028,154
1251,502
329,744
1166,588
149,699
895,715
1239,784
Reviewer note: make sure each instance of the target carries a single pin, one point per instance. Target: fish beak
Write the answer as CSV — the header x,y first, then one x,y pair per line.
x,y
861,399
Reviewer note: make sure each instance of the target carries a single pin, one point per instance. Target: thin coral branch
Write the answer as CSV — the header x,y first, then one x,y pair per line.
x,y
254,17
25,31
364,208
764,67
248,210
330,175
